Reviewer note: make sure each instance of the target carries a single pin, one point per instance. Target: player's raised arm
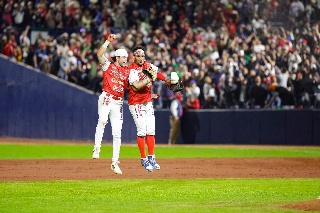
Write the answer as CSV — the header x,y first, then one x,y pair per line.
x,y
100,54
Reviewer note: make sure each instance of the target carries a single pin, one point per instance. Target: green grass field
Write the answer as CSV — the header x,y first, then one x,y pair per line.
x,y
161,195
54,151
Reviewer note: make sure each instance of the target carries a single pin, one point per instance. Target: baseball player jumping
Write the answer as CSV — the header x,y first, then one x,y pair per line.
x,y
110,103
141,107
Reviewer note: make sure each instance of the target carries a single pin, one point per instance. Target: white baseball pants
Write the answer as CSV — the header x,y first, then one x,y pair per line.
x,y
143,116
108,107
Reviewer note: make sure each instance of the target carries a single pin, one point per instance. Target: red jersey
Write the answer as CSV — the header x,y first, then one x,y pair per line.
x,y
143,95
115,79
8,49
194,104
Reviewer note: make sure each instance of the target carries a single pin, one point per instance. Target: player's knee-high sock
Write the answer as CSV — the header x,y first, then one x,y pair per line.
x,y
151,143
142,146
99,134
116,148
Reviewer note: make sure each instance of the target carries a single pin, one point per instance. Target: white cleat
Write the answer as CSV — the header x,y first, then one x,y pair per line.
x,y
153,162
115,168
146,164
95,153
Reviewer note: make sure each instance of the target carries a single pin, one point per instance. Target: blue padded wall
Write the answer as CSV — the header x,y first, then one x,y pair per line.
x,y
316,128
247,127
273,127
299,127
36,105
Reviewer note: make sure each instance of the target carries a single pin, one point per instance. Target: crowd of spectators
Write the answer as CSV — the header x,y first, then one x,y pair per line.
x,y
229,54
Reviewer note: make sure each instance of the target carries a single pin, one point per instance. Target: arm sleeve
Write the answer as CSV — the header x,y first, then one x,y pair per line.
x,y
106,64
133,76
161,76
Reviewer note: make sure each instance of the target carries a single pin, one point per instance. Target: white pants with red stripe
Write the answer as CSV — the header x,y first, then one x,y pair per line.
x,y
113,109
143,116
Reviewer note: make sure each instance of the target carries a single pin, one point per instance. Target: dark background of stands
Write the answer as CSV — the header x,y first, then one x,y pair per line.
x,y
38,105
241,54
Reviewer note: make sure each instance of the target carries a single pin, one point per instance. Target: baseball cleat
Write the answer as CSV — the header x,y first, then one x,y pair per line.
x,y
115,168
146,164
153,162
95,153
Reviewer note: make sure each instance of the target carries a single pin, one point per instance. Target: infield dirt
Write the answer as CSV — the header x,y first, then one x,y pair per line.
x,y
89,169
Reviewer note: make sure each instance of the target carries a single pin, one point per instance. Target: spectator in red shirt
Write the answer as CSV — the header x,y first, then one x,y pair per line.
x,y
230,18
9,48
193,103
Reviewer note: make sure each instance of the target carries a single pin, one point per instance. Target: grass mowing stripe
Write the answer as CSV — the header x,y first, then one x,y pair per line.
x,y
8,151
198,195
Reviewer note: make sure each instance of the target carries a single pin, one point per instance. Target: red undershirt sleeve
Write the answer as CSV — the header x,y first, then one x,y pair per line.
x,y
161,76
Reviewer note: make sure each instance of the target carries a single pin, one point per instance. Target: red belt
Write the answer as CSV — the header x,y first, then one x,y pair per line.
x,y
117,98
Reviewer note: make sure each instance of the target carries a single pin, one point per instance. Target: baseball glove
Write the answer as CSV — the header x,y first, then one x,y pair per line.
x,y
151,73
176,87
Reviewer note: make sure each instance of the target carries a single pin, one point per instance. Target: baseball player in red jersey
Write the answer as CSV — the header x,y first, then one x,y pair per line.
x,y
110,103
141,107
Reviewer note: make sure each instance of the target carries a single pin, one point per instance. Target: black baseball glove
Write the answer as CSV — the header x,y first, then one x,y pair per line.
x,y
176,87
151,73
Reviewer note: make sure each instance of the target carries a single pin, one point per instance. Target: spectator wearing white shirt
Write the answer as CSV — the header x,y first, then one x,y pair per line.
x,y
18,14
192,89
283,76
294,60
25,43
296,9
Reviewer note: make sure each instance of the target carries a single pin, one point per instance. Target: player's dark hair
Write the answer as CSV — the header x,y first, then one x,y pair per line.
x,y
137,47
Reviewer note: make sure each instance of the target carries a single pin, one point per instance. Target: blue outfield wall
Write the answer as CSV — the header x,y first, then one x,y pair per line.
x,y
267,127
37,105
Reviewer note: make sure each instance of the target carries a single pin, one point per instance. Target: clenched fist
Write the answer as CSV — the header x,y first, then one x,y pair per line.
x,y
112,37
